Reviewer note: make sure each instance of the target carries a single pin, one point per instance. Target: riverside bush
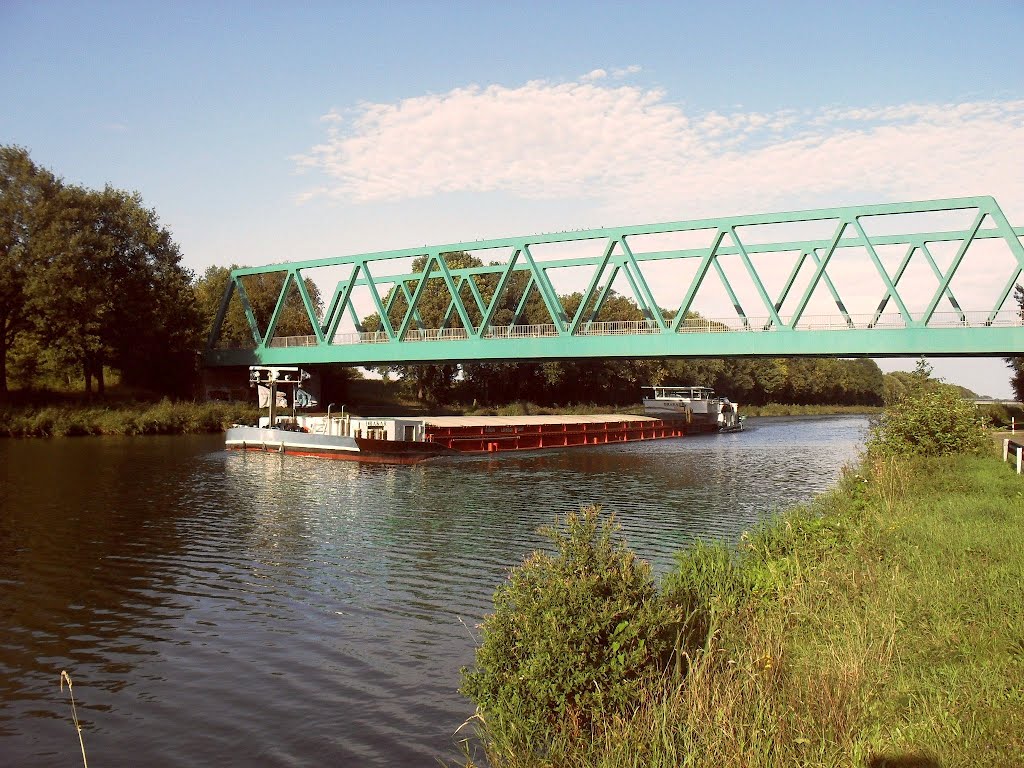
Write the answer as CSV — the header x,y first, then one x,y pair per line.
x,y
932,420
577,638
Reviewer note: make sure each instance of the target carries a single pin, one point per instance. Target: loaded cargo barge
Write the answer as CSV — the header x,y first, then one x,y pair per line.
x,y
409,440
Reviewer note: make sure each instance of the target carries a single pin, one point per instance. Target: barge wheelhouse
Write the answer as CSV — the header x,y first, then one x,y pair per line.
x,y
699,405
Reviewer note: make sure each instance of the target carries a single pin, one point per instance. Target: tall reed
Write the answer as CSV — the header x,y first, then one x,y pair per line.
x,y
65,677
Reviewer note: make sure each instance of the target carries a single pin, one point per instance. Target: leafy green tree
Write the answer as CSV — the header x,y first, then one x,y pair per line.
x,y
931,419
77,329
897,385
26,204
124,299
89,279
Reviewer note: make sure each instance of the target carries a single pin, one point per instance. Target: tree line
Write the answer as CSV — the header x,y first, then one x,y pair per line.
x,y
91,282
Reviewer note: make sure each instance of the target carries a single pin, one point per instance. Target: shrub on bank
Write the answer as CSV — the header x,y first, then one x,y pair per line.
x,y
932,420
576,638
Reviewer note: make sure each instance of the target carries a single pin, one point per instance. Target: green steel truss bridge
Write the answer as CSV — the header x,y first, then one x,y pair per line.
x,y
900,279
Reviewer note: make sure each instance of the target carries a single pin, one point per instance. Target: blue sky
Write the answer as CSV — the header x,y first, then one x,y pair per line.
x,y
262,132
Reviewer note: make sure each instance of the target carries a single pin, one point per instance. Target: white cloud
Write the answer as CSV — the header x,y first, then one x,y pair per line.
x,y
623,72
635,150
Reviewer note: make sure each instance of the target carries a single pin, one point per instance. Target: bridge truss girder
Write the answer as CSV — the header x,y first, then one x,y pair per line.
x,y
992,329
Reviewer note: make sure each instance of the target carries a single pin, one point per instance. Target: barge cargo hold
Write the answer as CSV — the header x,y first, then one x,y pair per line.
x,y
490,434
412,440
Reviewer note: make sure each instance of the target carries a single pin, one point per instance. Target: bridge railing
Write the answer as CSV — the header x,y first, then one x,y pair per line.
x,y
889,321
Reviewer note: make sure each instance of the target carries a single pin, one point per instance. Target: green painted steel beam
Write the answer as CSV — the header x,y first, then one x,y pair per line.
x,y
665,334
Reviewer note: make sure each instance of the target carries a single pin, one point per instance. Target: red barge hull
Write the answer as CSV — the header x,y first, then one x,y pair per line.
x,y
532,437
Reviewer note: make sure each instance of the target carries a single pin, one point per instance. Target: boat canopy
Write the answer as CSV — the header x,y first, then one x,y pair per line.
x,y
678,393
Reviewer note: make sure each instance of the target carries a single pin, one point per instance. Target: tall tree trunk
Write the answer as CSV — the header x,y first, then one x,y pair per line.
x,y
87,374
100,384
3,368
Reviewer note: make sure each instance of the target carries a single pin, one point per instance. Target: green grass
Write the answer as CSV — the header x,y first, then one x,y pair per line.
x,y
880,625
163,418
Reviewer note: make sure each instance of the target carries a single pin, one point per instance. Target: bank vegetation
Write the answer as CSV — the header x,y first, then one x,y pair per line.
x,y
161,418
878,625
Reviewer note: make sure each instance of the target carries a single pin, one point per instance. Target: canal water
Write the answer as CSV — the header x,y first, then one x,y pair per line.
x,y
230,609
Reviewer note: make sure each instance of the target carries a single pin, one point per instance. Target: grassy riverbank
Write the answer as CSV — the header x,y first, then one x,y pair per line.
x,y
120,418
880,625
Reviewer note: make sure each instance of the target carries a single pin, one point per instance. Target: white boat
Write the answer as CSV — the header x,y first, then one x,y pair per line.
x,y
382,440
698,405
341,436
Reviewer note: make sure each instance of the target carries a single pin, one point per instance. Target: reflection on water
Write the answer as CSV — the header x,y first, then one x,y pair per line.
x,y
248,608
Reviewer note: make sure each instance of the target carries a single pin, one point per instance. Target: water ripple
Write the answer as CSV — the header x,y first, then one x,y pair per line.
x,y
258,609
